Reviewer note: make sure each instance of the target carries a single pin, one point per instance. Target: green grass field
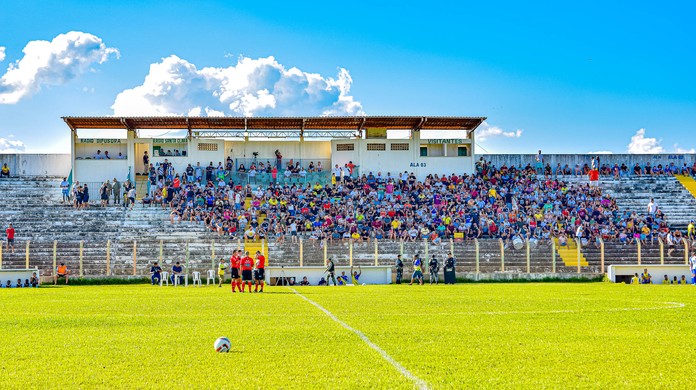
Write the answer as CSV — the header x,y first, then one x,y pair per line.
x,y
473,335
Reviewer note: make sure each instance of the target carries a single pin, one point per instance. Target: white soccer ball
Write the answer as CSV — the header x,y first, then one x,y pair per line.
x,y
223,344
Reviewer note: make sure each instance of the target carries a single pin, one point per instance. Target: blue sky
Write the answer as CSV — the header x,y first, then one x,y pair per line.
x,y
575,78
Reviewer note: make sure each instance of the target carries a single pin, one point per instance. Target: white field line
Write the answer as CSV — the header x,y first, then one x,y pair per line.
x,y
421,384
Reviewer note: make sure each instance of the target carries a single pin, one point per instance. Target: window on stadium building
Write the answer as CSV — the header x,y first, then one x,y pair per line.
x,y
462,151
399,146
207,147
376,147
345,147
424,151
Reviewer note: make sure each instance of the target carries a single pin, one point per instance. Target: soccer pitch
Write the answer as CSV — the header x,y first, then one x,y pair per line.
x,y
399,336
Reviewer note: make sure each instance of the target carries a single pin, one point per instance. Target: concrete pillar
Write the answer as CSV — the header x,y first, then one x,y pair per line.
x,y
639,252
579,245
161,253
0,255
212,254
401,247
686,251
529,268
662,250
350,253
325,256
601,254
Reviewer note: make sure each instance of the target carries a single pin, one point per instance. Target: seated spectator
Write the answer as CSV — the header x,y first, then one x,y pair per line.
x,y
120,156
156,273
322,282
9,284
106,155
635,279
645,277
5,171
177,270
26,283
61,272
304,281
19,283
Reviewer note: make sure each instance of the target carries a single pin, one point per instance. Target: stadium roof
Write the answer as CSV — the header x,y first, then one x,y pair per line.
x,y
305,126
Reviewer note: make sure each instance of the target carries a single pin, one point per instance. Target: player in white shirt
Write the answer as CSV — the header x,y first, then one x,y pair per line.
x,y
692,262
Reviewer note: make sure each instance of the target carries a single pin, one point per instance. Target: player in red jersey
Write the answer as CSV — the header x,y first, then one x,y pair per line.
x,y
259,271
247,267
235,262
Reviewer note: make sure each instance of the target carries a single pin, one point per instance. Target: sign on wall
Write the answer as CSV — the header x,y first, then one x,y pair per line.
x,y
440,141
169,140
99,141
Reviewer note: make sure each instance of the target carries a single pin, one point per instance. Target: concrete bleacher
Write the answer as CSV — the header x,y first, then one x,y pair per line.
x,y
34,207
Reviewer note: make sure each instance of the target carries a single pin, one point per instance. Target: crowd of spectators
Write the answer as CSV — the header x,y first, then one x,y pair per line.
x,y
495,202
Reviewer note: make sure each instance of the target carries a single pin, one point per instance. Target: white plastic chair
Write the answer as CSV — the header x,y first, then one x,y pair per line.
x,y
196,278
164,278
211,276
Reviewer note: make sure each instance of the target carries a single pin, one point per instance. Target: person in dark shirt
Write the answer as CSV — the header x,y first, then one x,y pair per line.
x,y
331,271
156,272
177,269
399,269
34,281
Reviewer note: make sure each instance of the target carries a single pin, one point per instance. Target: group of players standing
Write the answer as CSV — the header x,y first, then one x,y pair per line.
x,y
252,270
433,268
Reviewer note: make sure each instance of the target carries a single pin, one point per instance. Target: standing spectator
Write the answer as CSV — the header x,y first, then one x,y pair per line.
x,y
10,232
61,272
116,188
146,162
65,190
399,269
539,163
331,272
104,194
5,171
156,272
417,270
692,261
85,196
652,208
279,159
34,281
131,197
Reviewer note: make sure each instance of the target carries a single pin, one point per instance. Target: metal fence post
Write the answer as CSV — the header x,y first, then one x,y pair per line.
x,y
376,255
27,255
212,254
529,268
601,254
478,258
401,247
686,250
55,250
135,258
502,255
82,247
187,257
301,253
161,254
639,254
108,257
662,250
579,245
325,256
553,255
350,252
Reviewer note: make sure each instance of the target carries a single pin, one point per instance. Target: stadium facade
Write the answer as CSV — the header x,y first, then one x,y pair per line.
x,y
330,141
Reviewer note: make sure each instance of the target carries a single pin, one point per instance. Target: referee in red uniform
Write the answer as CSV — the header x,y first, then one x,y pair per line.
x,y
247,267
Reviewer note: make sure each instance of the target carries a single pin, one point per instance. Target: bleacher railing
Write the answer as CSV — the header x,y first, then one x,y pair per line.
x,y
134,257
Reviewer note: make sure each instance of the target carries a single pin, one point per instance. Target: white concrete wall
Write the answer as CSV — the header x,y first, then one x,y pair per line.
x,y
37,164
100,170
397,161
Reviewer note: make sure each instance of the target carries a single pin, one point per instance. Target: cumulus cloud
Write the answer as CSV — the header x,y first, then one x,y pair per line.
x,y
2,53
640,144
11,145
62,59
680,150
251,87
486,131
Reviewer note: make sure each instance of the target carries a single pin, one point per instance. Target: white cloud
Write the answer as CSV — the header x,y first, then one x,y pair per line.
x,y
2,53
11,145
252,87
680,150
640,144
56,62
486,131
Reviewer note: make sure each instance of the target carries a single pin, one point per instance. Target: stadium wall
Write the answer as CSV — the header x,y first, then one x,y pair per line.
x,y
37,165
582,159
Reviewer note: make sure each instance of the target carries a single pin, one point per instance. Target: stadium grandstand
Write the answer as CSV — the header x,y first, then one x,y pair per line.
x,y
302,190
